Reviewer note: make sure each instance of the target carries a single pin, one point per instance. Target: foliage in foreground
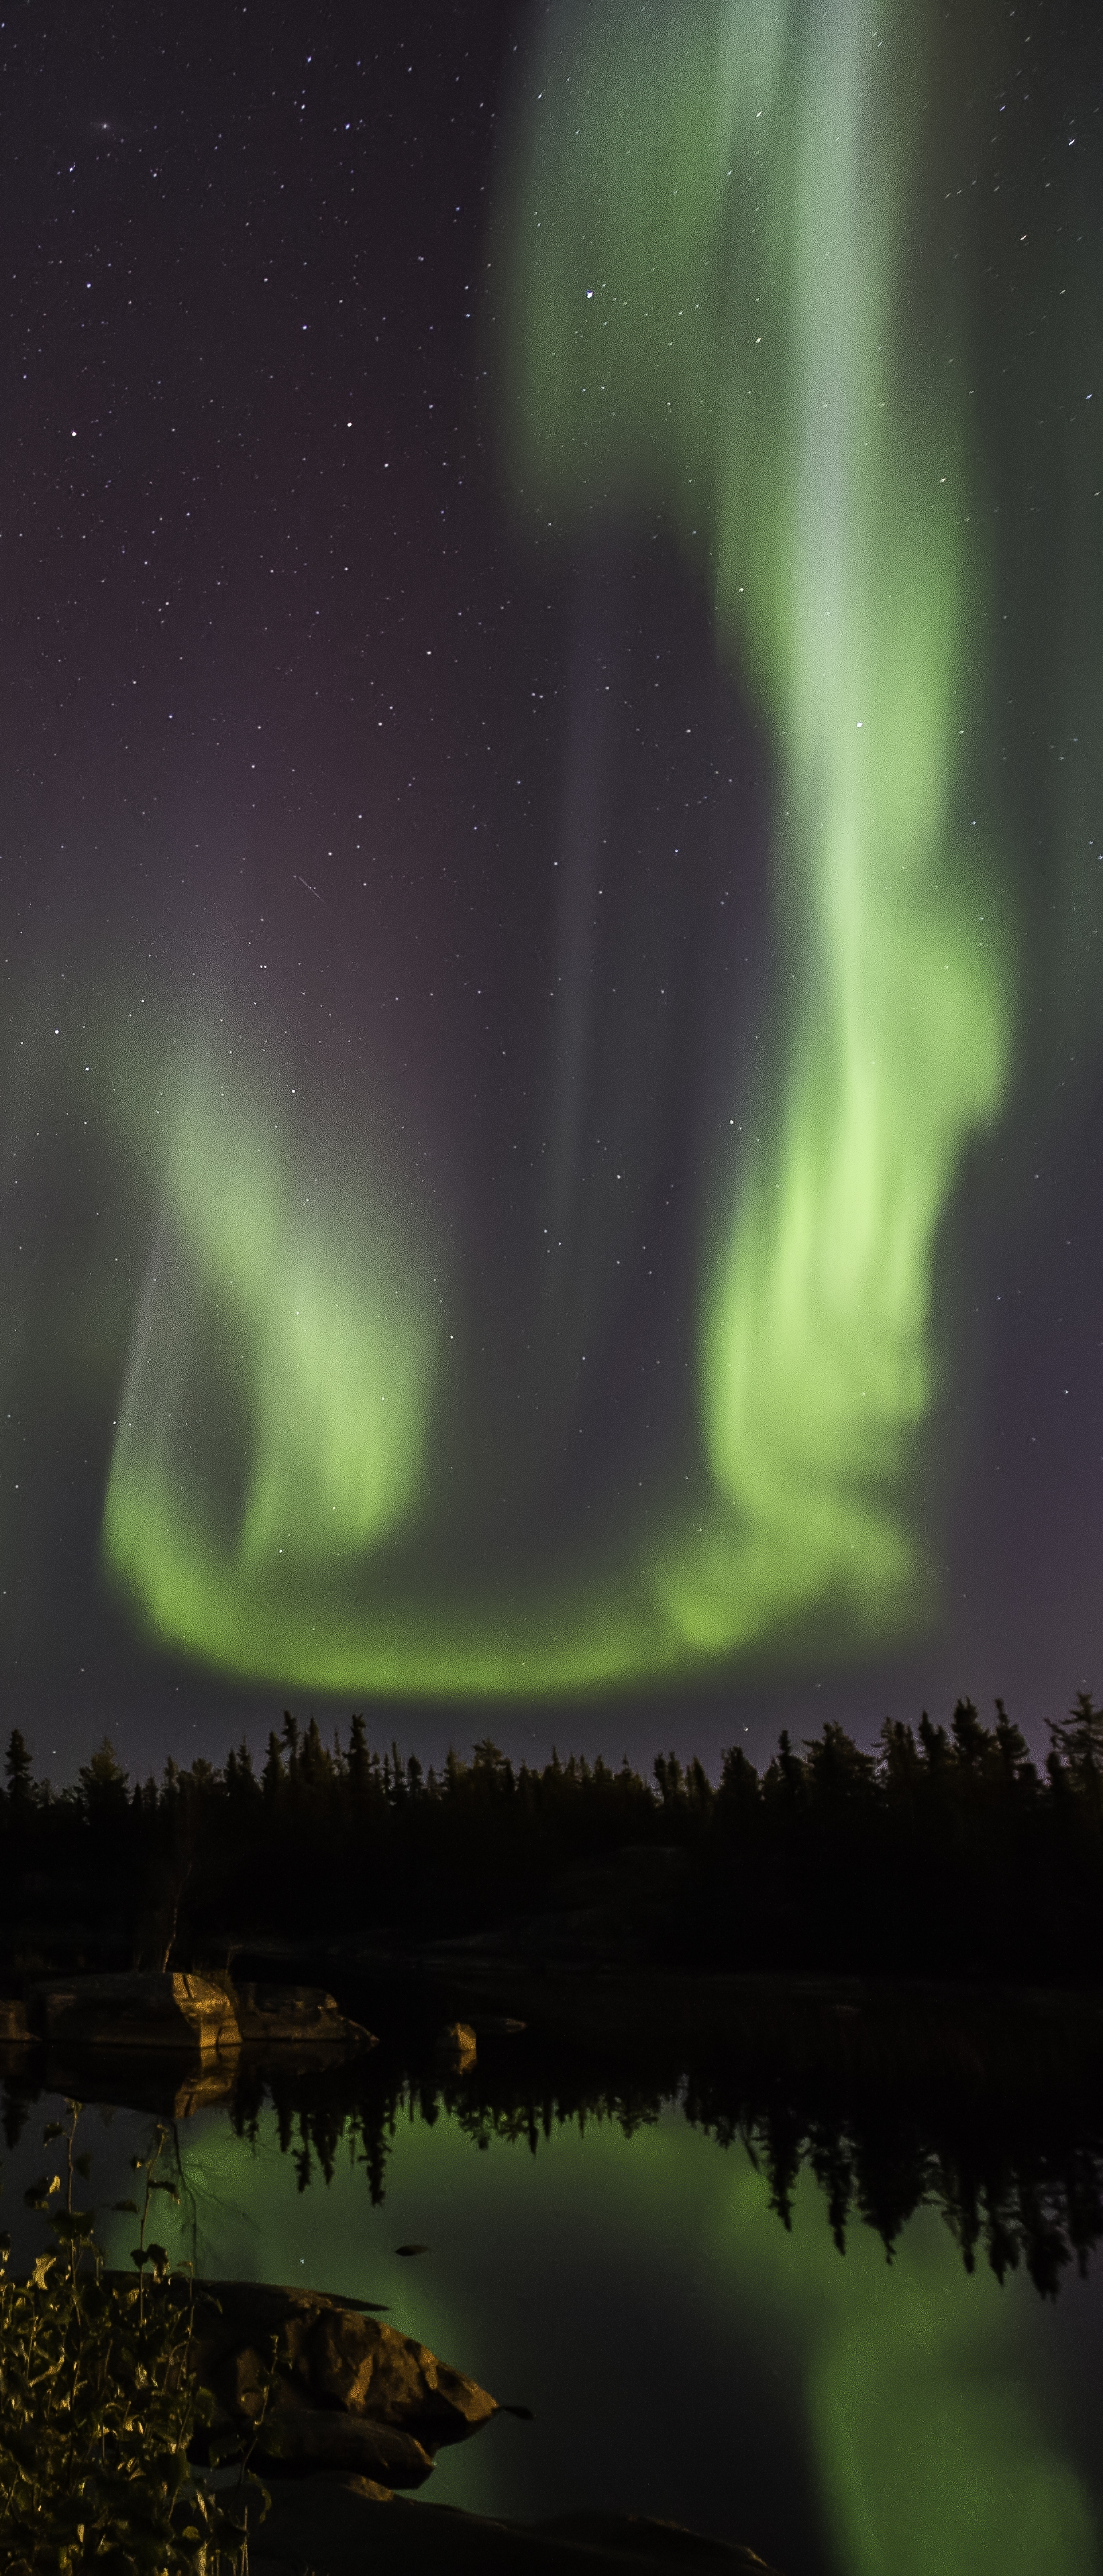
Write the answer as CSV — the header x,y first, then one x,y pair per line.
x,y
98,2404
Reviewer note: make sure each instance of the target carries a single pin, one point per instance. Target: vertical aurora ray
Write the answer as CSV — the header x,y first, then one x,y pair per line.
x,y
710,286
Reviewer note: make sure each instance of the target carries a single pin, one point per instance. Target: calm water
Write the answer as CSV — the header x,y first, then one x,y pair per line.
x,y
686,2353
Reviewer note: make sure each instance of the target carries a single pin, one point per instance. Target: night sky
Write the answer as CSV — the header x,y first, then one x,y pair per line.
x,y
504,1221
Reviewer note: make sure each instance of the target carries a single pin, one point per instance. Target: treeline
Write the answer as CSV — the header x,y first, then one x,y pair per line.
x,y
945,1852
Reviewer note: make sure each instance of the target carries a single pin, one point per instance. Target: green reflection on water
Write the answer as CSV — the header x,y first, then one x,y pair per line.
x,y
917,2389
933,2452
932,2456
927,2420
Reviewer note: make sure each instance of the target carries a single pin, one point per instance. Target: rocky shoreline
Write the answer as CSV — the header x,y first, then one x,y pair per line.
x,y
305,2380
966,2036
172,2043
344,2527
338,2415
338,2411
355,2413
206,2016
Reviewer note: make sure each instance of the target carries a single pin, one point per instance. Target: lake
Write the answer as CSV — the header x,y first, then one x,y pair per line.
x,y
656,2271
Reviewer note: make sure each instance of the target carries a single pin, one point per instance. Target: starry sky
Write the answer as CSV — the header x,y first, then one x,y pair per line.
x,y
500,1208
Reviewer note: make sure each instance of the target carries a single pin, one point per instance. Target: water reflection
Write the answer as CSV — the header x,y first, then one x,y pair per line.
x,y
1016,2182
657,2272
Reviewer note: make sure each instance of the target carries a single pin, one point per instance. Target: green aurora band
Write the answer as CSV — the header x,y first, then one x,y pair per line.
x,y
713,257
335,1352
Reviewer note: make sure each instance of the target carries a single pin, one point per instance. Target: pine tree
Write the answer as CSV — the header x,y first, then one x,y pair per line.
x,y
357,1758
835,1769
272,1774
1081,1744
668,1774
739,1796
1017,1767
936,1746
314,1762
455,1773
899,1761
103,1783
699,1787
790,1768
17,1771
971,1740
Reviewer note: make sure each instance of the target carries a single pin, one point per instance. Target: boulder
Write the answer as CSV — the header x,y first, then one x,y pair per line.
x,y
457,2042
346,2392
303,2439
281,2016
167,2010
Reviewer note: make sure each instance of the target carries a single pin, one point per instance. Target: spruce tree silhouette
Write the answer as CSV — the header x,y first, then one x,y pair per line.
x,y
1079,1743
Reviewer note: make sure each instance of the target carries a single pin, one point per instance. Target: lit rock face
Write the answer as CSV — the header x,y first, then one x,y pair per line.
x,y
208,2017
458,2045
154,2010
346,2393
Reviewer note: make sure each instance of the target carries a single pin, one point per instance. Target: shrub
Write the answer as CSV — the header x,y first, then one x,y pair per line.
x,y
99,2404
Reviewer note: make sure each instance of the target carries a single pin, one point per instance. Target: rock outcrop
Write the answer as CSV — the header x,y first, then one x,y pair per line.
x,y
207,2016
169,2011
328,2385
293,2016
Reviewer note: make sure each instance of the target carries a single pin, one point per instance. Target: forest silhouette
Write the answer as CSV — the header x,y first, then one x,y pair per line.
x,y
946,1853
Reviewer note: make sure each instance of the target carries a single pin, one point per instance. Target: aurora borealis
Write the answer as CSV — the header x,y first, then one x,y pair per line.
x,y
740,168
551,649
